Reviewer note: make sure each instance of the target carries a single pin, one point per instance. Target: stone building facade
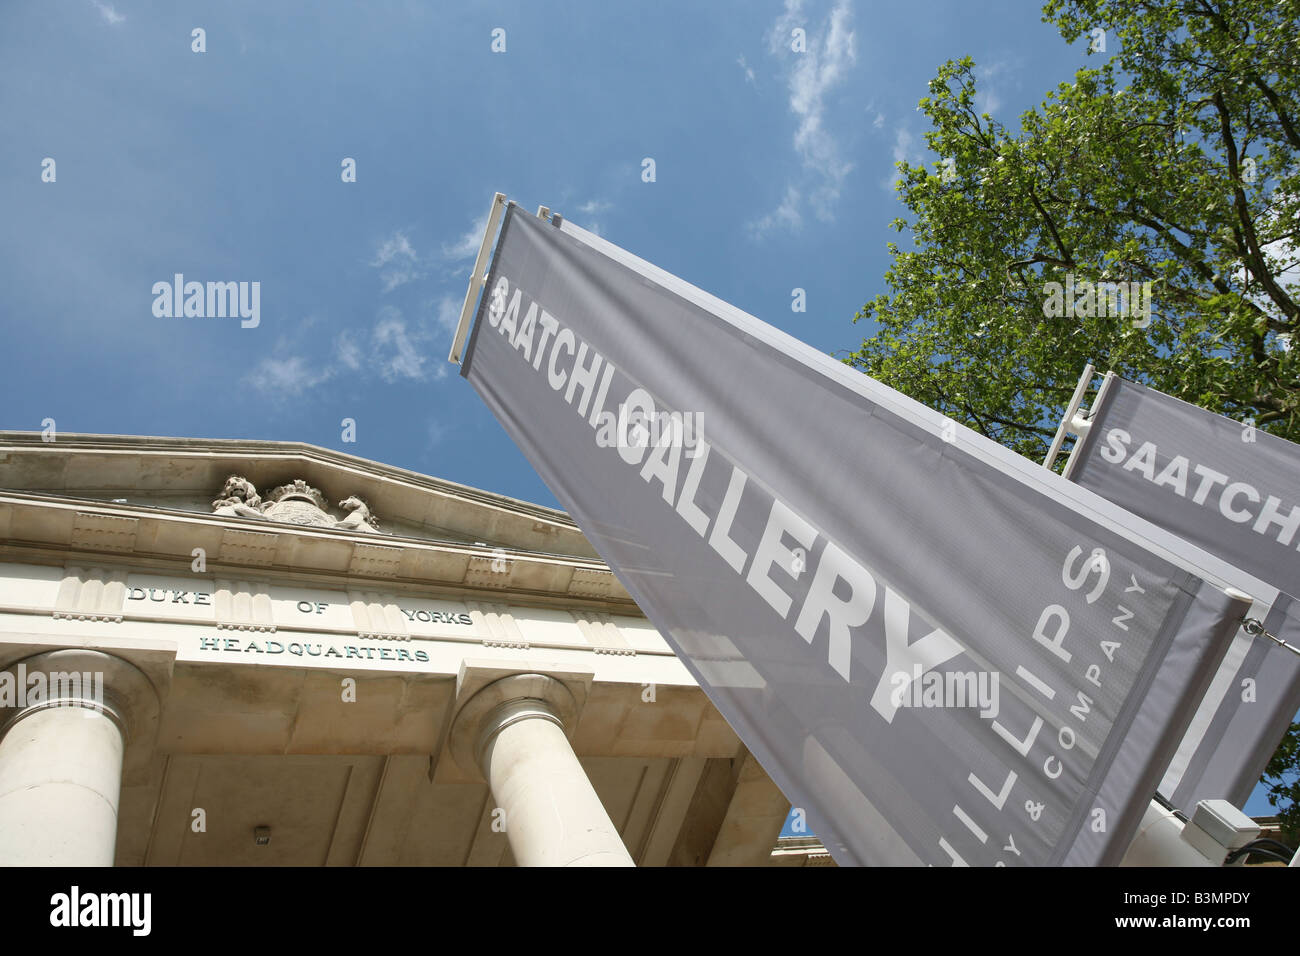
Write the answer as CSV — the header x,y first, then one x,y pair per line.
x,y
242,653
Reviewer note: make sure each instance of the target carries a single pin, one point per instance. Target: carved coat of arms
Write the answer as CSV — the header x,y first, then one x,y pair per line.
x,y
295,503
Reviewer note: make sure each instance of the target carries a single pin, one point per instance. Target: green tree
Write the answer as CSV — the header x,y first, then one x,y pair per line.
x,y
1173,161
1283,777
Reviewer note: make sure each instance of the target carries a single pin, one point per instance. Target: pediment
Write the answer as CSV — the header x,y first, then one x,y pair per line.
x,y
295,484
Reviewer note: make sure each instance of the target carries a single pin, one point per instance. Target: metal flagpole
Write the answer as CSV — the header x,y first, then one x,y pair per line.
x,y
477,277
1080,426
1066,420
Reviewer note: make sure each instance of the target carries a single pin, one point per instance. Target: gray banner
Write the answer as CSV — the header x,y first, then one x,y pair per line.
x,y
937,661
1235,492
1222,485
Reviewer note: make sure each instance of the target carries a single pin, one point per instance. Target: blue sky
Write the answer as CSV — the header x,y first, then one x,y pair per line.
x,y
774,171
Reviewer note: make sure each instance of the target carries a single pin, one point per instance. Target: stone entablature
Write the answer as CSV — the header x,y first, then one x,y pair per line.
x,y
250,621
34,528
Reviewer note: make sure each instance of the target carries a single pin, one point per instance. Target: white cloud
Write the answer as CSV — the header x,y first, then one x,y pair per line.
x,y
436,432
879,121
1288,260
397,355
786,214
397,261
988,97
448,313
396,246
904,150
396,349
290,376
1283,259
811,77
590,210
749,72
109,14
349,353
466,247
903,140
393,349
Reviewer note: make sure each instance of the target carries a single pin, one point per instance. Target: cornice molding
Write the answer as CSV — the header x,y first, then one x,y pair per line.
x,y
46,530
286,454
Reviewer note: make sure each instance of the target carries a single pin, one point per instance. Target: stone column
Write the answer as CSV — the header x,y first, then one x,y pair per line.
x,y
64,724
514,731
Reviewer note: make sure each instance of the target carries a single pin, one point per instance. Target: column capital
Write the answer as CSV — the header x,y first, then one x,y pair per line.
x,y
80,677
505,701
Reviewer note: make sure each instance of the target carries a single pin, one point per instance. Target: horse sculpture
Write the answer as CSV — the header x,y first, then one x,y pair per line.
x,y
358,518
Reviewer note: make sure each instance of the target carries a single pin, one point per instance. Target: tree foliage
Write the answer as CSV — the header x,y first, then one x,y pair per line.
x,y
1173,161
1283,778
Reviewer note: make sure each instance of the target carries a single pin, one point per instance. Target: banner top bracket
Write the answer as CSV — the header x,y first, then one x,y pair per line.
x,y
477,277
